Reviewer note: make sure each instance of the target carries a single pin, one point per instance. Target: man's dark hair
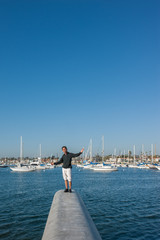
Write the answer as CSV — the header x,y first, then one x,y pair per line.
x,y
64,147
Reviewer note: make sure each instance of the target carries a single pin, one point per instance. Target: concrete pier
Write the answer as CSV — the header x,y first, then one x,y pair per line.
x,y
69,219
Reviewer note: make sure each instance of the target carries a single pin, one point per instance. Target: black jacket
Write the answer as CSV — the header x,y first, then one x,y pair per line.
x,y
67,158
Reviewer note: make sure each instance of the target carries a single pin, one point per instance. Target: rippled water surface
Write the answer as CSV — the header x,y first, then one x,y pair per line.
x,y
124,204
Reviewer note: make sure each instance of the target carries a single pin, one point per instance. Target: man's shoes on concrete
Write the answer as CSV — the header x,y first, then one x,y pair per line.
x,y
70,190
66,190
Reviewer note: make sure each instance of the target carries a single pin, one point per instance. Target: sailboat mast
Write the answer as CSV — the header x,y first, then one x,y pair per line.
x,y
142,152
152,152
91,150
102,148
40,152
134,152
21,149
115,155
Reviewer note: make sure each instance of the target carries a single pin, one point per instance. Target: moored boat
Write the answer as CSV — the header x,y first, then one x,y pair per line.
x,y
37,165
105,168
20,166
3,166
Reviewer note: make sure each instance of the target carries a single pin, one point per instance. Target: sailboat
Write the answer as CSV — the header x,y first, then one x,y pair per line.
x,y
134,165
20,167
103,166
38,164
88,165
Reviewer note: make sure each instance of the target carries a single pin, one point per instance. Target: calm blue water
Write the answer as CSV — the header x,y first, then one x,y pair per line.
x,y
124,204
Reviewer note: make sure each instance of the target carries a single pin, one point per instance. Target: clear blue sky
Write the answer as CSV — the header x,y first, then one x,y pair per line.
x,y
72,70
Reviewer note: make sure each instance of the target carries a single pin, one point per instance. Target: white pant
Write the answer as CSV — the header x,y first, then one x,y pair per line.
x,y
67,174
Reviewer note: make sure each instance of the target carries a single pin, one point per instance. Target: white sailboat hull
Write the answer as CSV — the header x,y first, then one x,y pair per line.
x,y
105,168
22,169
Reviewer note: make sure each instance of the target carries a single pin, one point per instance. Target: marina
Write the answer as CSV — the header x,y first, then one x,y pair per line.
x,y
88,161
110,164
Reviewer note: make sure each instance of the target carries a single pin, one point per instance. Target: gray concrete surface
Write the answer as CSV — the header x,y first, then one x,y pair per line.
x,y
69,219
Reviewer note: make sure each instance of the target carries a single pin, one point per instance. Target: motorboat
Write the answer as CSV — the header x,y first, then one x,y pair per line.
x,y
3,166
37,165
49,166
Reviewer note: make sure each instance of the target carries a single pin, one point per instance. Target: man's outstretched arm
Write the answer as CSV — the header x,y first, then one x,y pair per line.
x,y
59,162
77,154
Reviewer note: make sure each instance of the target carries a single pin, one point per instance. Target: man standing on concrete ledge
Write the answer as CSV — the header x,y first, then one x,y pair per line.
x,y
67,167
